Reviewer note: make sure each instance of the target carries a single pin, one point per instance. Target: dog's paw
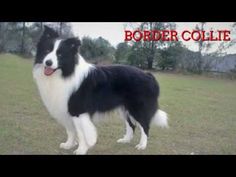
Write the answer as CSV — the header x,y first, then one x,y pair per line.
x,y
123,140
140,146
67,146
80,151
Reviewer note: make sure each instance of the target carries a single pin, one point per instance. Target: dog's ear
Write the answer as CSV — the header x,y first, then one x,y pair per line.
x,y
73,43
49,33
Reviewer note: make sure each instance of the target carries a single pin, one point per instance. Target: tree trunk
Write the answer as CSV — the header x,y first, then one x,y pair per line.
x,y
23,39
200,58
1,46
200,63
60,28
41,26
150,62
150,58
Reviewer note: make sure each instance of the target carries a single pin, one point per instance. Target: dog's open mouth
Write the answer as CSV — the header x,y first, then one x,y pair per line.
x,y
48,71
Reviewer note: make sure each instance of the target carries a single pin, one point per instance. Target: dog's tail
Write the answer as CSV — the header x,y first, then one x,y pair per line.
x,y
160,118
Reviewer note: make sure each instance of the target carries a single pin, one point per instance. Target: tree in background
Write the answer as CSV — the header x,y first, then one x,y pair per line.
x,y
137,56
150,47
103,47
87,48
122,52
170,57
22,37
12,37
97,50
3,39
220,51
200,64
63,28
147,49
203,46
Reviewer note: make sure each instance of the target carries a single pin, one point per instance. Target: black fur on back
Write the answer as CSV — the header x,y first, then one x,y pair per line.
x,y
107,87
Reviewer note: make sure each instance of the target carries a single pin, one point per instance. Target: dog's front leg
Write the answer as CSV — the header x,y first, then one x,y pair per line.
x,y
86,133
71,136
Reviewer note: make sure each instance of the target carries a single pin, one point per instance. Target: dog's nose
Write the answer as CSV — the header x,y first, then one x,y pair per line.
x,y
48,62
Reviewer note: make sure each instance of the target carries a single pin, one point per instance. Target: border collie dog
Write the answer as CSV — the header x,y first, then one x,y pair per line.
x,y
74,91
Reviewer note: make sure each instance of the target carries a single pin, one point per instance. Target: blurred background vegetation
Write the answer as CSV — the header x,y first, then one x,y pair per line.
x,y
21,38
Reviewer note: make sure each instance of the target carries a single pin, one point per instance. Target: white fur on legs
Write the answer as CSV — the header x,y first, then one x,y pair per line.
x,y
88,129
86,133
71,135
129,131
83,147
71,140
143,140
128,135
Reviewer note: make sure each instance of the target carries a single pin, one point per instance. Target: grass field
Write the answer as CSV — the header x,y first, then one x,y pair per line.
x,y
202,115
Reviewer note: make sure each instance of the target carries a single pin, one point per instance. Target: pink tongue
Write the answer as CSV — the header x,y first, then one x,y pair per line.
x,y
48,71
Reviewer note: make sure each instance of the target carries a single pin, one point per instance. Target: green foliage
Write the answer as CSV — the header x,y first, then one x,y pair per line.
x,y
97,49
137,56
87,48
145,51
122,53
22,37
170,57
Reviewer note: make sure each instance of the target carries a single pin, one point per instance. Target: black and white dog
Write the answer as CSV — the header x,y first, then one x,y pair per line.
x,y
74,91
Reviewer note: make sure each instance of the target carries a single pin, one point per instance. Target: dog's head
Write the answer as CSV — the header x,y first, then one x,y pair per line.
x,y
54,53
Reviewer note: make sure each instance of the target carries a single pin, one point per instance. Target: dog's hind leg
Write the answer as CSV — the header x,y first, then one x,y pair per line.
x,y
86,132
129,126
144,136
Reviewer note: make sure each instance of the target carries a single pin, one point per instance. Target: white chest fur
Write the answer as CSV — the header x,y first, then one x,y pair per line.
x,y
56,90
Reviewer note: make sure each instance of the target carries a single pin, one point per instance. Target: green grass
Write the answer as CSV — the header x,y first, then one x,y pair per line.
x,y
202,115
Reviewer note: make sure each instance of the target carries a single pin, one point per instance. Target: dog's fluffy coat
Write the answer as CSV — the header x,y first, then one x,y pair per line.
x,y
73,91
